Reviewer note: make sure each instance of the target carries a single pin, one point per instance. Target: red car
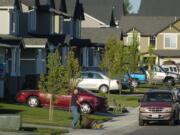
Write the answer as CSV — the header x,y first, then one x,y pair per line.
x,y
89,101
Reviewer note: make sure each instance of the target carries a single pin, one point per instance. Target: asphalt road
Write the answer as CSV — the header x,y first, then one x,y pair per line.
x,y
157,130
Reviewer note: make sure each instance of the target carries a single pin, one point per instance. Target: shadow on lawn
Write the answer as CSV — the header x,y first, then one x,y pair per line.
x,y
9,111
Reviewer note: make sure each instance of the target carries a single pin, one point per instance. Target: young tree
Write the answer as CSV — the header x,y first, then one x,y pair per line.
x,y
72,70
134,55
150,61
53,82
112,60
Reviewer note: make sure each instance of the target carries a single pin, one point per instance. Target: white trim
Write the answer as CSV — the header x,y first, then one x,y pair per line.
x,y
171,34
148,42
6,7
168,33
102,23
35,46
156,43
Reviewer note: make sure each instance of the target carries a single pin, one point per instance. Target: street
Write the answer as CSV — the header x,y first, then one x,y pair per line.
x,y
128,125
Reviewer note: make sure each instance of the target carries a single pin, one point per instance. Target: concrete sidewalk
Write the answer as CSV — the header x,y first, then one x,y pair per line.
x,y
119,125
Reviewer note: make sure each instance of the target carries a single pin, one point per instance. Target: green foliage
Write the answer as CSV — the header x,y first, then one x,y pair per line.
x,y
150,61
72,70
134,55
113,58
54,81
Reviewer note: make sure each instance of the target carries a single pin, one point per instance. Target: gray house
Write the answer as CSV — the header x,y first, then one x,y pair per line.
x,y
28,30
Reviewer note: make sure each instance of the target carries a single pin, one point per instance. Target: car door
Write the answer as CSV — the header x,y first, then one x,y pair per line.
x,y
63,101
158,74
94,81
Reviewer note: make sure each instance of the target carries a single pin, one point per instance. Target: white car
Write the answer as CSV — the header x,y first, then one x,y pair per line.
x,y
97,81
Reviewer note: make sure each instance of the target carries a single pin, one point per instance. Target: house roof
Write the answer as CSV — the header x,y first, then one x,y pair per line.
x,y
99,9
34,41
146,25
6,2
100,35
167,53
159,8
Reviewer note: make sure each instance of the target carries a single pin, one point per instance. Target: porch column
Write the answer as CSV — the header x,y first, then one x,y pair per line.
x,y
64,54
18,61
85,57
96,58
13,61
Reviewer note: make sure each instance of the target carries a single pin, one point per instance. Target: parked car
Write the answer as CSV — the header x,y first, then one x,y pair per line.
x,y
158,105
171,68
138,77
89,101
161,76
92,80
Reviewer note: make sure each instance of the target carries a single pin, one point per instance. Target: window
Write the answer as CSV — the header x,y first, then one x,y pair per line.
x,y
13,23
52,24
129,40
32,21
97,76
152,40
170,41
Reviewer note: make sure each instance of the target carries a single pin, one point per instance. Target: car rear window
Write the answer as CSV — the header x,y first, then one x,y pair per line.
x,y
158,97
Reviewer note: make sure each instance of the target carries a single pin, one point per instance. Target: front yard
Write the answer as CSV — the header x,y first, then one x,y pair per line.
x,y
40,115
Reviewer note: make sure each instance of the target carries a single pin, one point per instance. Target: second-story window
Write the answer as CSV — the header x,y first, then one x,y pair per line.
x,y
13,24
152,40
52,24
32,20
170,41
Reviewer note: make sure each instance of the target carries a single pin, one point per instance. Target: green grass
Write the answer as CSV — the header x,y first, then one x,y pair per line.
x,y
40,115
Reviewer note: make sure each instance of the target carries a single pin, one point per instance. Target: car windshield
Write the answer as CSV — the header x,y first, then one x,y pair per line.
x,y
158,97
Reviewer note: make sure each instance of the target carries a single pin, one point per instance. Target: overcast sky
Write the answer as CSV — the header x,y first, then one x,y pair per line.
x,y
135,4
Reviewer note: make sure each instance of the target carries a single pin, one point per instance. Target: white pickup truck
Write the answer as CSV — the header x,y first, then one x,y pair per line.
x,y
161,76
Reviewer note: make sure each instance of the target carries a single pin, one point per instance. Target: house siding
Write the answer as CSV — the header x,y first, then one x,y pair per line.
x,y
144,43
160,45
5,22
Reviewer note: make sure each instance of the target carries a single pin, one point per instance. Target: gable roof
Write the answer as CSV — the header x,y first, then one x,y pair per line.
x,y
146,25
159,8
99,9
100,35
6,2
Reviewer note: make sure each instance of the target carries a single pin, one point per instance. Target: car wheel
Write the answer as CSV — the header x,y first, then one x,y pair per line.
x,y
103,89
141,122
170,82
134,83
86,108
33,101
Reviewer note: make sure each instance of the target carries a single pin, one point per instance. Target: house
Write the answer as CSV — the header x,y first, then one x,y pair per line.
x,y
28,31
157,24
100,23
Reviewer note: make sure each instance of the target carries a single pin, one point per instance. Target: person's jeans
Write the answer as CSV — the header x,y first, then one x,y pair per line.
x,y
75,112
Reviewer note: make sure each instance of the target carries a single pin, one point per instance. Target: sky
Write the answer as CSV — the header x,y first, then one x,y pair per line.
x,y
135,4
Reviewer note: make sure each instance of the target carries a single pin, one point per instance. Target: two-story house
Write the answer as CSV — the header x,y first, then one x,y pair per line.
x,y
100,23
28,30
157,24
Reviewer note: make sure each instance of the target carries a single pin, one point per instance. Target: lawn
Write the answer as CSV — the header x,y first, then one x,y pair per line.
x,y
40,115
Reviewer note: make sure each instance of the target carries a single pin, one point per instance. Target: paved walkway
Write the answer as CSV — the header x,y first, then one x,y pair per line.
x,y
117,126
